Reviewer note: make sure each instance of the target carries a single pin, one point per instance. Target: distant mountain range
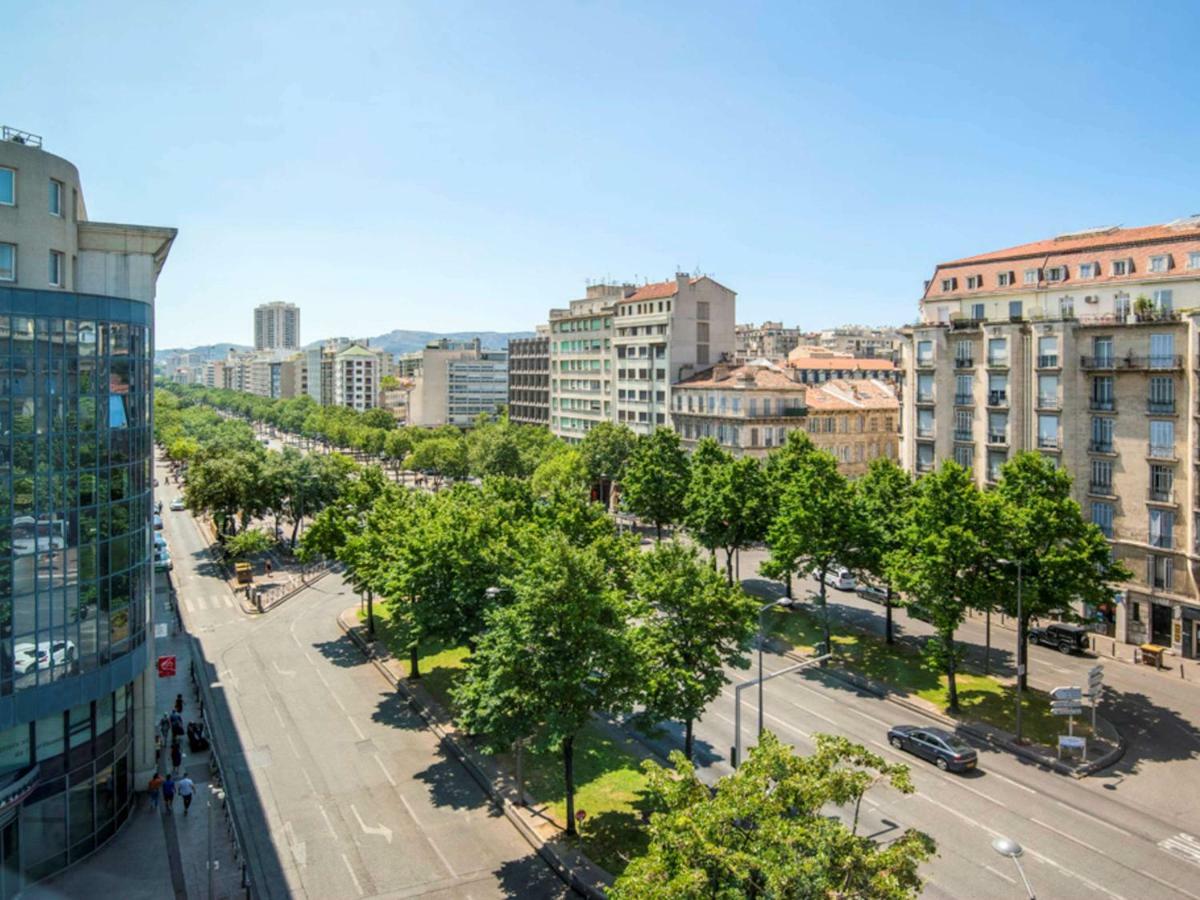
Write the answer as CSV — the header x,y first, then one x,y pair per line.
x,y
398,341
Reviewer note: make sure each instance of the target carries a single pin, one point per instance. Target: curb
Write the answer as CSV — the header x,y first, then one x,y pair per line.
x,y
544,849
982,733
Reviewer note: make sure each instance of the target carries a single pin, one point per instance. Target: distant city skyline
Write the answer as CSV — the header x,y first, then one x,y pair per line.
x,y
390,169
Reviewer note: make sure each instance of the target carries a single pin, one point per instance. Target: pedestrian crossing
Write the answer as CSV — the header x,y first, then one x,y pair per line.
x,y
1184,846
218,601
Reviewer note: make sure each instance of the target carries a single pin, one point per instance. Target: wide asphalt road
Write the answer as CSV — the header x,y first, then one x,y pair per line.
x,y
341,790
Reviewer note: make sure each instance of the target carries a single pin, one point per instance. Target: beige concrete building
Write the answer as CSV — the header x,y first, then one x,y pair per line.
x,y
1084,348
770,340
454,382
357,373
817,364
663,333
277,326
863,341
581,361
750,409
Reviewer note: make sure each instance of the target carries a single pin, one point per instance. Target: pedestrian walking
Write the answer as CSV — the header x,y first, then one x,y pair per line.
x,y
179,703
164,727
156,783
176,723
186,788
267,565
176,757
168,792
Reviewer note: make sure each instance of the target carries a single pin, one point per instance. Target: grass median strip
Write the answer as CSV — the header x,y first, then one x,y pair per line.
x,y
609,783
981,698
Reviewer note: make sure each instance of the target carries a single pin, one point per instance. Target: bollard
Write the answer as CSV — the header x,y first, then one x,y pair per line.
x,y
1114,649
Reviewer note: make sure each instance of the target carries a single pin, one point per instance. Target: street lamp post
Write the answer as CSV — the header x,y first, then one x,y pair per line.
x,y
1022,660
1010,848
761,639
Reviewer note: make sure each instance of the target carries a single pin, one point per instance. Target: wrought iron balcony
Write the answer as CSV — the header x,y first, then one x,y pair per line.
x,y
1097,362
1103,488
1161,407
1161,495
961,434
1102,404
997,437
964,399
1161,451
964,362
1047,361
997,398
1047,443
998,362
1101,446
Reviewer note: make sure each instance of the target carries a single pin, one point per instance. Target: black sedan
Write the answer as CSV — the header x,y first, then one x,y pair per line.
x,y
942,748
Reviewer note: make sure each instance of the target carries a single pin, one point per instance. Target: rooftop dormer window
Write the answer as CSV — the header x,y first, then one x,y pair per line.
x,y
1033,276
1194,260
1122,267
949,284
1056,273
1161,263
974,282
1004,279
1089,270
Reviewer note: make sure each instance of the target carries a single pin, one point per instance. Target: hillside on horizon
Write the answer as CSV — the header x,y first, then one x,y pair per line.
x,y
396,341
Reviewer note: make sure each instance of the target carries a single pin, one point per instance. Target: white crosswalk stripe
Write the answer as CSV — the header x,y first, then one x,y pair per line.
x,y
1184,846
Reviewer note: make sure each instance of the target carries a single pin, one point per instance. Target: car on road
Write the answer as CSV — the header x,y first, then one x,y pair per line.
x,y
28,657
872,592
160,543
162,562
1066,637
158,506
157,522
842,579
944,749
177,505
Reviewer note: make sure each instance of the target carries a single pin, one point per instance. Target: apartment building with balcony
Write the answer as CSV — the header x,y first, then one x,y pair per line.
x,y
663,333
453,382
1084,348
529,379
750,409
581,361
770,340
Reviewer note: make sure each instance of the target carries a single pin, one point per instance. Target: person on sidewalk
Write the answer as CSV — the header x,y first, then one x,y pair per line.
x,y
179,703
168,792
267,564
156,783
186,788
176,757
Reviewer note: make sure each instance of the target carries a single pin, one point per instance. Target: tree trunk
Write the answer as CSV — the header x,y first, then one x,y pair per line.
x,y
788,589
825,619
729,565
658,532
689,738
568,749
951,683
295,529
987,642
414,664
1023,652
371,613
887,609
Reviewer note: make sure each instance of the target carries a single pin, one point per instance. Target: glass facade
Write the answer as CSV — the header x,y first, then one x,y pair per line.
x,y
75,569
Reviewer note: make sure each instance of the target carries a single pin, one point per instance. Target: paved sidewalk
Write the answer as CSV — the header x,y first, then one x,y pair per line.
x,y
158,855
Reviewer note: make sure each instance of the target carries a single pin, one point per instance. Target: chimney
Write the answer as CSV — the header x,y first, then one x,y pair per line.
x,y
682,279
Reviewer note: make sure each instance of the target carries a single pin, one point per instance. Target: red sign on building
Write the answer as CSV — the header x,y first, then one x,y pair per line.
x,y
166,666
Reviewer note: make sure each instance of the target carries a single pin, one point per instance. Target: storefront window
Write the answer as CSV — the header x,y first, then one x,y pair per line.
x,y
44,834
49,737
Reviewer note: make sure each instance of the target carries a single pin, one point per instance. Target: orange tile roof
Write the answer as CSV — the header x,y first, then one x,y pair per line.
x,y
848,363
841,395
660,290
751,376
1102,246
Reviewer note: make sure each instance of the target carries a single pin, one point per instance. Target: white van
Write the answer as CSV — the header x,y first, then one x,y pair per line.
x,y
842,579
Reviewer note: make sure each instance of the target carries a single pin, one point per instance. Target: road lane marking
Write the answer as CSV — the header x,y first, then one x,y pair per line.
x,y
1184,846
966,787
275,663
429,840
875,719
1000,875
958,815
1069,837
1116,828
993,774
295,749
1168,884
312,787
353,877
386,773
328,824
278,715
357,730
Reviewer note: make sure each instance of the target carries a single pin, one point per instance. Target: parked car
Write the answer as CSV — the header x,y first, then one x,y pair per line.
x,y
872,592
917,611
28,657
1067,637
943,748
162,562
177,505
160,542
842,579
158,506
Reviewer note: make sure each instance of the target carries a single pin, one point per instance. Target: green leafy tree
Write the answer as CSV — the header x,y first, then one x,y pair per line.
x,y
816,525
884,494
444,456
605,449
1063,559
691,626
561,475
943,561
780,466
764,831
555,655
727,503
250,542
226,486
655,479
703,517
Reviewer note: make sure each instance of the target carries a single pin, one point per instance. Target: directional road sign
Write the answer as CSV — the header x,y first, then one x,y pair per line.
x,y
1066,693
1066,707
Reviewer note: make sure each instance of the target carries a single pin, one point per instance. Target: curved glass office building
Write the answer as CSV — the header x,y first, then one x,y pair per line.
x,y
76,348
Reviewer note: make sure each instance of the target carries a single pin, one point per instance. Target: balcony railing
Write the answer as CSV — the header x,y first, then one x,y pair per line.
x,y
1048,361
924,466
1161,495
1097,362
1166,361
924,397
924,432
1103,488
1047,443
963,434
924,362
1100,446
998,362
965,324
997,437
1160,407
1102,404
964,362
997,398
1048,403
1161,451
964,399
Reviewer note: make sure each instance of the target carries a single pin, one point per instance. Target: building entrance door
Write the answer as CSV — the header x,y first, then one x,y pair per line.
x,y
1160,624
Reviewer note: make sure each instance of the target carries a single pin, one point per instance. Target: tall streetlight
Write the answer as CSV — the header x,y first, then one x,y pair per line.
x,y
761,639
1010,848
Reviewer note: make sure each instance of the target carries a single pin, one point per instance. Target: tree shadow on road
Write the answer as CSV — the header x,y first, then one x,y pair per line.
x,y
1153,733
393,710
342,652
529,877
450,785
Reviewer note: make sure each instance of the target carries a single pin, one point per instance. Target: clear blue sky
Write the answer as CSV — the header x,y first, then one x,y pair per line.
x,y
453,166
